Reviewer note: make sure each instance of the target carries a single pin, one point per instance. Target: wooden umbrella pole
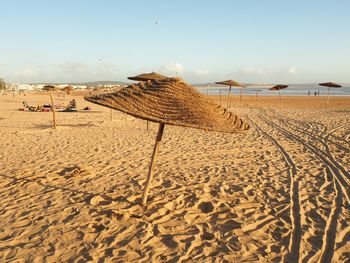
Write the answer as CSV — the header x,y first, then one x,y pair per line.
x,y
329,88
111,115
240,96
228,97
53,113
257,99
152,164
147,125
279,92
220,97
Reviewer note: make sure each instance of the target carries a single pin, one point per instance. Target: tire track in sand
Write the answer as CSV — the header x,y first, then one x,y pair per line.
x,y
295,237
338,171
328,240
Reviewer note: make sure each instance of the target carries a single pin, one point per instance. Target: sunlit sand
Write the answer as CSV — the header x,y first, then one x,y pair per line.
x,y
278,192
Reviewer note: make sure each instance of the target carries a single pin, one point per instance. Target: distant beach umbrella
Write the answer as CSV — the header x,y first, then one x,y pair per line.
x,y
50,88
170,101
279,87
67,89
329,85
257,95
231,83
148,77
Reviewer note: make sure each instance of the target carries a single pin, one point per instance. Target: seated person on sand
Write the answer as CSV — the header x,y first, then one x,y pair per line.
x,y
72,105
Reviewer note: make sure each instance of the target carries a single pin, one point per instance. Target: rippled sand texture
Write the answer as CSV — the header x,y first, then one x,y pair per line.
x,y
278,193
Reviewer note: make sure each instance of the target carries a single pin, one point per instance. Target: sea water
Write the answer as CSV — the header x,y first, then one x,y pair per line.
x,y
296,90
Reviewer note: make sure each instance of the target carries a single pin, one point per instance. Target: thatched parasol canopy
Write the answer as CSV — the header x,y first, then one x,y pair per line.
x,y
278,87
171,101
330,84
229,82
67,89
148,76
50,88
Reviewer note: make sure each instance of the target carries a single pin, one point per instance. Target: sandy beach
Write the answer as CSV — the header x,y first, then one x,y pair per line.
x,y
280,192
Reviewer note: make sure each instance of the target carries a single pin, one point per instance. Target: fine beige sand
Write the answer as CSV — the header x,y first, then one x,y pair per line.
x,y
277,193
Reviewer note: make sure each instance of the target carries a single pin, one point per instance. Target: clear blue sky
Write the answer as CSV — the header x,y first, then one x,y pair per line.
x,y
248,41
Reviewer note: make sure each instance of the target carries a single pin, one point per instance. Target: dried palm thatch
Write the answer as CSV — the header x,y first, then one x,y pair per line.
x,y
170,101
329,85
148,76
231,83
279,87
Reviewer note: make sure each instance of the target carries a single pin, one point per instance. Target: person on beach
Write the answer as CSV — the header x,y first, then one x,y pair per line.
x,y
73,104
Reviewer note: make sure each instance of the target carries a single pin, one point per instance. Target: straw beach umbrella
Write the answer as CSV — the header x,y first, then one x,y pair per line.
x,y
147,77
67,89
231,83
256,95
329,85
170,101
279,87
51,88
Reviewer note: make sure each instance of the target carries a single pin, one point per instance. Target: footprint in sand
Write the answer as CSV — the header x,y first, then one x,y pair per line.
x,y
249,190
191,200
158,229
70,214
207,236
229,225
167,184
100,200
206,207
169,241
96,228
